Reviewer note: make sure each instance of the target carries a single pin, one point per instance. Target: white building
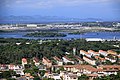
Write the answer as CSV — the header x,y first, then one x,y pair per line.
x,y
70,76
85,53
104,53
89,60
67,60
93,53
24,61
59,61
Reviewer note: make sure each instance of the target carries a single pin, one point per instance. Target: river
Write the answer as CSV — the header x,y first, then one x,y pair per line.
x,y
103,35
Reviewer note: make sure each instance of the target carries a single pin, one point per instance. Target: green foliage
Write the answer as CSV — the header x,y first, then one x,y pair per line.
x,y
69,63
36,78
111,77
31,71
83,77
6,74
11,79
45,34
42,72
12,53
48,79
61,68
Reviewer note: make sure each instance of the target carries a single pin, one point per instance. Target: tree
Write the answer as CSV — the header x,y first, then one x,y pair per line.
x,y
42,72
6,74
83,77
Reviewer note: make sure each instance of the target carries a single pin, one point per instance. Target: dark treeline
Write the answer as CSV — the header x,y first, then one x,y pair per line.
x,y
10,52
45,34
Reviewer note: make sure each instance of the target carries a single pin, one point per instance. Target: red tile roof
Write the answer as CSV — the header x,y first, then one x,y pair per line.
x,y
56,58
68,58
36,59
47,59
87,67
110,66
111,52
78,58
84,52
24,60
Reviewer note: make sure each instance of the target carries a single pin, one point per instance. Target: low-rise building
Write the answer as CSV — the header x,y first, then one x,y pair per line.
x,y
109,67
85,53
28,76
89,60
93,53
36,61
58,60
112,52
104,53
24,61
70,76
47,62
67,60
79,59
111,60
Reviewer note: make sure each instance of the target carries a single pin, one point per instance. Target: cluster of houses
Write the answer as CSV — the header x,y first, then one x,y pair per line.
x,y
70,72
91,56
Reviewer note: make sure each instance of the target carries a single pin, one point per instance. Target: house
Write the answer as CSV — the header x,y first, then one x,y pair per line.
x,y
36,61
24,61
93,53
42,67
109,69
89,60
109,72
79,59
67,60
111,60
70,76
17,68
85,53
102,59
85,69
3,67
112,52
104,53
46,62
56,77
58,60
92,76
28,76
20,72
11,67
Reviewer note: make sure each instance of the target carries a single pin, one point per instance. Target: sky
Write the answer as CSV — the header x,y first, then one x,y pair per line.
x,y
101,9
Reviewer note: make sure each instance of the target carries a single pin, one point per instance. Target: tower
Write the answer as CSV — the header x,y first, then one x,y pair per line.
x,y
74,51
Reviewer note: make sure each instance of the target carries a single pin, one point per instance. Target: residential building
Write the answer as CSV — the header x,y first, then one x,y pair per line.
x,y
46,62
36,61
93,53
89,60
109,67
84,69
112,52
28,76
24,61
70,76
104,53
56,76
111,60
79,59
85,53
58,60
67,60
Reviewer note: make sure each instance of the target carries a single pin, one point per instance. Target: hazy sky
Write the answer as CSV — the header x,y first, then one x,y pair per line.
x,y
104,9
